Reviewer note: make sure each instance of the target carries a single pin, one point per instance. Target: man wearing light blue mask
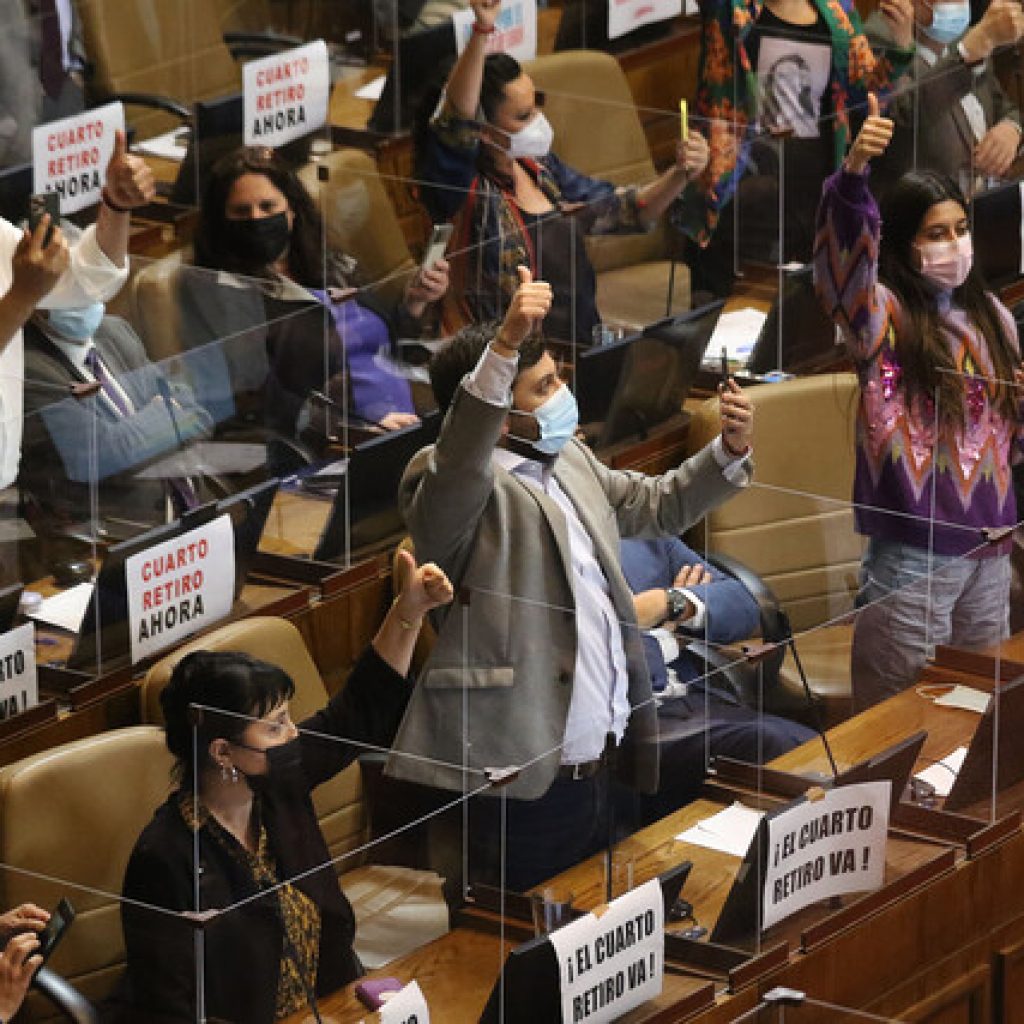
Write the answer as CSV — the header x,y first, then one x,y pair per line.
x,y
958,120
120,416
541,668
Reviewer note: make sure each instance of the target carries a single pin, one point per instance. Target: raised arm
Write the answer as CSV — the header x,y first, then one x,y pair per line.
x,y
846,242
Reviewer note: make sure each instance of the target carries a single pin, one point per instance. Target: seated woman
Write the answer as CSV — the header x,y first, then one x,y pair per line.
x,y
246,808
493,172
258,221
777,84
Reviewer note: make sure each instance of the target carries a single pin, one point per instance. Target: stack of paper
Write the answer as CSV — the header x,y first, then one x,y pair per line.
x,y
728,831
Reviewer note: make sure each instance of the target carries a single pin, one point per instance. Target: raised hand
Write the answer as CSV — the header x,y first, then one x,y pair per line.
x,y
737,414
130,181
872,140
528,307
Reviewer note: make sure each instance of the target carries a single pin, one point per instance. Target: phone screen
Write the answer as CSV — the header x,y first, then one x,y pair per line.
x,y
437,245
40,203
60,921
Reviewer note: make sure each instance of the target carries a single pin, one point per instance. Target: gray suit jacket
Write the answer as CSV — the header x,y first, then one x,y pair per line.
x,y
944,139
496,688
57,466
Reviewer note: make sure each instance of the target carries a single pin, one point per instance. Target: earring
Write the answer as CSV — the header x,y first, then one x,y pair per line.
x,y
229,771
234,774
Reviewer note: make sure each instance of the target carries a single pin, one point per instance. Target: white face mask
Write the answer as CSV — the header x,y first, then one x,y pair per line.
x,y
533,140
946,264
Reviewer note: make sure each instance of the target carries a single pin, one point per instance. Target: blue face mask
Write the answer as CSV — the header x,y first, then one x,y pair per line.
x,y
557,419
949,21
77,324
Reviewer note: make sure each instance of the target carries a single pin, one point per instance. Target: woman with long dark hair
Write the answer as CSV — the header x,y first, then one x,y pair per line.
x,y
485,161
258,221
939,422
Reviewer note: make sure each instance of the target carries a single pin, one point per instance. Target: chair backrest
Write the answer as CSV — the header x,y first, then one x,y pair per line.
x,y
359,217
172,49
794,525
73,813
338,802
599,133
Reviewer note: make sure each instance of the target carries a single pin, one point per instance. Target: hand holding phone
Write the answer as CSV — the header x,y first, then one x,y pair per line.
x,y
59,923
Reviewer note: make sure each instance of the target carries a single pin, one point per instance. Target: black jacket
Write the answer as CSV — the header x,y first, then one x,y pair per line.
x,y
243,946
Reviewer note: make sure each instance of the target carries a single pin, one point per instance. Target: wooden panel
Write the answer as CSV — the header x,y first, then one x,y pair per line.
x,y
963,1001
1008,987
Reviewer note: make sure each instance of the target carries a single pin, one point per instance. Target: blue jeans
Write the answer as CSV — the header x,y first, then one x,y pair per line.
x,y
910,601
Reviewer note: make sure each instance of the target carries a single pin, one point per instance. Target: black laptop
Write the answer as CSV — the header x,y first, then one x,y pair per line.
x,y
626,388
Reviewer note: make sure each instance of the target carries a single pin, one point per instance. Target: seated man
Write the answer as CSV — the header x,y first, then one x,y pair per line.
x,y
680,598
96,412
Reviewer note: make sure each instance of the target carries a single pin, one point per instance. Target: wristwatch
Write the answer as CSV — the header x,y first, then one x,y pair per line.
x,y
677,602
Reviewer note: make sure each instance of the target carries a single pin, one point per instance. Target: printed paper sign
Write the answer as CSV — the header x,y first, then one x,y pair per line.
x,y
406,1007
626,15
610,964
70,156
826,848
515,31
19,686
180,586
286,95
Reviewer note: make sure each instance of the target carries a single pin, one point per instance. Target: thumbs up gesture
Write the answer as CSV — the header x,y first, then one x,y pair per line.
x,y
129,179
872,140
528,307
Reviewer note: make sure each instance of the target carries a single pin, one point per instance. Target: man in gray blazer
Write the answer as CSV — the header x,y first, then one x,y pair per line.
x,y
541,660
954,117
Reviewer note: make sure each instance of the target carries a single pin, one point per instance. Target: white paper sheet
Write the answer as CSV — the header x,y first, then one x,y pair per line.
x,y
66,609
728,831
372,90
169,146
965,698
943,774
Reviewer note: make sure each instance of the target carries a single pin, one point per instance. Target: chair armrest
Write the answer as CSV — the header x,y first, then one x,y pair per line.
x,y
278,40
62,994
150,99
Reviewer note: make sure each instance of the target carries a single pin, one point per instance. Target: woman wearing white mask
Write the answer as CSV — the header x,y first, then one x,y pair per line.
x,y
485,161
939,419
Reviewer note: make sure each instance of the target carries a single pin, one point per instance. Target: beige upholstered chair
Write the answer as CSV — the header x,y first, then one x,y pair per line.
x,y
174,50
598,132
794,526
73,813
396,907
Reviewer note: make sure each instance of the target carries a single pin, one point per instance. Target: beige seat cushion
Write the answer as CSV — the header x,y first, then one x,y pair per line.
x,y
637,295
73,813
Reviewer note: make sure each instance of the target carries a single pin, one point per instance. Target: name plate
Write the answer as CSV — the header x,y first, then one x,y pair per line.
x,y
70,156
612,963
19,684
180,586
285,96
825,848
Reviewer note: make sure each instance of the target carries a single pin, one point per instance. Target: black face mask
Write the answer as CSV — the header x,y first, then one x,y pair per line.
x,y
284,763
259,241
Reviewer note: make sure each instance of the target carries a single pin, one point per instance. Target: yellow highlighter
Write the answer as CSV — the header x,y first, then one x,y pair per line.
x,y
684,121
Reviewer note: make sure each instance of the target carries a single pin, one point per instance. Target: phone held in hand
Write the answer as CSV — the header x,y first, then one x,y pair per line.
x,y
59,923
40,203
435,250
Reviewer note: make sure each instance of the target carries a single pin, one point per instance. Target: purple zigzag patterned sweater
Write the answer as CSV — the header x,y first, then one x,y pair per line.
x,y
963,473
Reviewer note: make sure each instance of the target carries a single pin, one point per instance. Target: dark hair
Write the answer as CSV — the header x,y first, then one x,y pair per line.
x,y
227,680
925,359
499,70
463,352
306,248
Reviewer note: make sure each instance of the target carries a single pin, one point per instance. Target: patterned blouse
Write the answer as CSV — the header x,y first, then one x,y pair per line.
x,y
727,96
921,479
300,950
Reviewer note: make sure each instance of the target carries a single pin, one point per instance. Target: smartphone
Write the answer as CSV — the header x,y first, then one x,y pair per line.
x,y
725,367
59,923
375,992
439,239
40,203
